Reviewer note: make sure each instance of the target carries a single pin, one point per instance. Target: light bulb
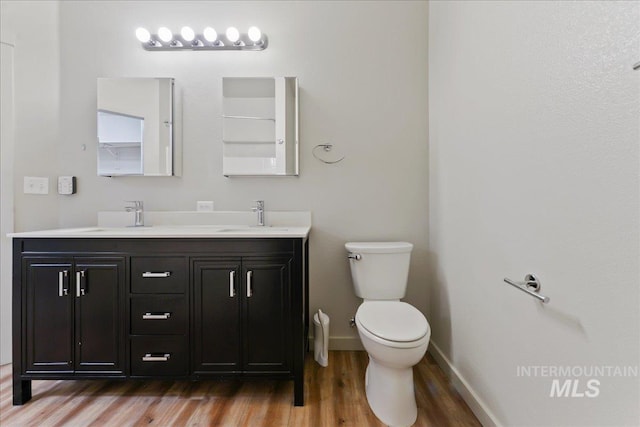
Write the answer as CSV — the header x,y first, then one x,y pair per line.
x,y
165,34
143,35
232,34
210,34
187,33
254,34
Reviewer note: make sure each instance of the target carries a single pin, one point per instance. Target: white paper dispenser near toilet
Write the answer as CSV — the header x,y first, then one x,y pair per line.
x,y
321,338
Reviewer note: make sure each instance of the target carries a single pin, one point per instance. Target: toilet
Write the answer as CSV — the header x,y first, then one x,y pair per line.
x,y
394,333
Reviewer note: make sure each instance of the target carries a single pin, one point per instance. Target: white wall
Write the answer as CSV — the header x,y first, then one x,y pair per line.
x,y
30,132
363,88
33,27
533,148
7,144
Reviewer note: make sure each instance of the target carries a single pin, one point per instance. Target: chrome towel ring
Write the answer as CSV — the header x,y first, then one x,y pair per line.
x,y
326,148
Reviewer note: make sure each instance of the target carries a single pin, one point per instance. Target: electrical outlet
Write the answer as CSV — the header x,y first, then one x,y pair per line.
x,y
204,206
36,185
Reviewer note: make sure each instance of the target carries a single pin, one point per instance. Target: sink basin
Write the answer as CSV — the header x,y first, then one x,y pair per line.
x,y
164,230
117,230
253,230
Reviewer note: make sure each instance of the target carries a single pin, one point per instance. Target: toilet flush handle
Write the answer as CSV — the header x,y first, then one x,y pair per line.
x,y
354,256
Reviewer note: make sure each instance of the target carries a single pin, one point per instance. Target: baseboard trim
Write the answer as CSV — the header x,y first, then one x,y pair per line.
x,y
345,343
476,404
341,344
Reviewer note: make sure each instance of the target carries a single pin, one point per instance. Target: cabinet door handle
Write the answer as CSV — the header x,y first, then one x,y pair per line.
x,y
151,357
156,316
232,284
249,290
148,274
79,288
62,289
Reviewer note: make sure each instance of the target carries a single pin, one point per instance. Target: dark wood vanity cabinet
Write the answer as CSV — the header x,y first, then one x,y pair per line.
x,y
159,308
266,316
159,316
72,321
242,315
217,308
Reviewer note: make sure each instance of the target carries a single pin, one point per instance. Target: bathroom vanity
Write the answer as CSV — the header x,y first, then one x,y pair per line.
x,y
160,303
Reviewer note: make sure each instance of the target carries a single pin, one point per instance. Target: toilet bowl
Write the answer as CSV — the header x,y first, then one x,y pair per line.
x,y
394,347
394,334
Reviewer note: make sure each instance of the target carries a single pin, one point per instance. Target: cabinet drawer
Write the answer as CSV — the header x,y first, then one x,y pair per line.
x,y
159,355
158,275
158,315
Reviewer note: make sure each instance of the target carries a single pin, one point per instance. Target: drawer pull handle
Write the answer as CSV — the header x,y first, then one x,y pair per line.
x,y
156,316
249,290
150,357
232,285
148,274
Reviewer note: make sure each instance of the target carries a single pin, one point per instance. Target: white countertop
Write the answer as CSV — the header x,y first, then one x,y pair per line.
x,y
171,231
218,224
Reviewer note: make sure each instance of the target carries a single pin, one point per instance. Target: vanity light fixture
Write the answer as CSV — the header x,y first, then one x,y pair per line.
x,y
187,34
255,35
143,35
211,36
209,39
165,34
233,35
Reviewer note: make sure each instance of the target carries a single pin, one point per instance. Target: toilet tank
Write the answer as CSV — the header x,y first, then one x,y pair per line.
x,y
379,270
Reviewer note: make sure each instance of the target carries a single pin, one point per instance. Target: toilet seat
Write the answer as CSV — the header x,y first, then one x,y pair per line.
x,y
392,323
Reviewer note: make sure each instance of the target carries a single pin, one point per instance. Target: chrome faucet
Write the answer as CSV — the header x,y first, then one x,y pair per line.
x,y
138,208
259,208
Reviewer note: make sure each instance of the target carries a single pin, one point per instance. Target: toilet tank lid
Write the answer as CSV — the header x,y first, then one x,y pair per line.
x,y
379,247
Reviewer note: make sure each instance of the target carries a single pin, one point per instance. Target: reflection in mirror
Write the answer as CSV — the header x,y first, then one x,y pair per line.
x,y
260,126
135,126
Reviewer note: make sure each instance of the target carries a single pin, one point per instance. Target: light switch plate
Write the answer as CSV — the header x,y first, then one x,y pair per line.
x,y
66,185
36,185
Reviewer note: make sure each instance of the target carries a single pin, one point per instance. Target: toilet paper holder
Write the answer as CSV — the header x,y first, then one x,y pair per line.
x,y
531,286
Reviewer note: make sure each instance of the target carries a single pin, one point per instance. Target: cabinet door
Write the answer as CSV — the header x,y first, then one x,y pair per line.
x,y
267,325
49,316
217,296
97,290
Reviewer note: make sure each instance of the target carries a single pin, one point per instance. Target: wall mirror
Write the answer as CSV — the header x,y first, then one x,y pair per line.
x,y
260,126
135,126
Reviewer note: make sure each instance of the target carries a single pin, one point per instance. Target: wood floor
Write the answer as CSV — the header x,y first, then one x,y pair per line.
x,y
334,396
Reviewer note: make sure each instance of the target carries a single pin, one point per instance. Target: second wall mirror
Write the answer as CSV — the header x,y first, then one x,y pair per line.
x,y
260,126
